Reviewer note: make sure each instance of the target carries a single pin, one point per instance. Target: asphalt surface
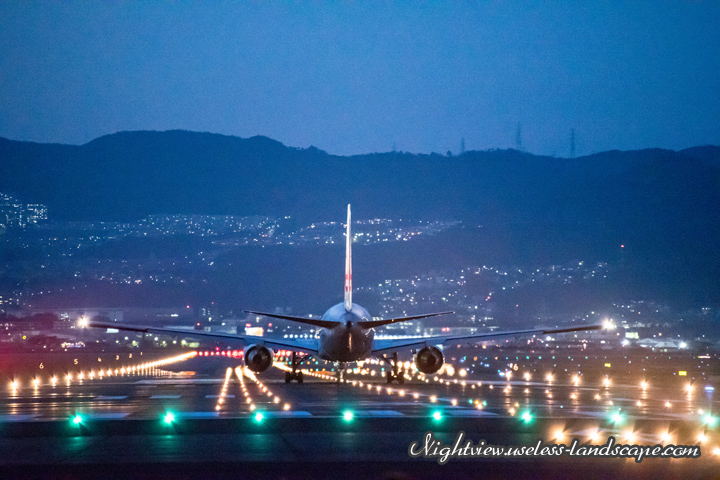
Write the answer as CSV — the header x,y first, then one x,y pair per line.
x,y
237,425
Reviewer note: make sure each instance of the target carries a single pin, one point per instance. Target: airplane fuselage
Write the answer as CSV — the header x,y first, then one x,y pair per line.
x,y
348,341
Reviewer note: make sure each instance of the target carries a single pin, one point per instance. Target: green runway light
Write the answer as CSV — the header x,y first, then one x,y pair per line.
x,y
437,415
259,417
710,420
169,418
526,417
77,419
348,415
617,417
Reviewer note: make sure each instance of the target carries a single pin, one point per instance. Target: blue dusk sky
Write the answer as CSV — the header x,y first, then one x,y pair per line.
x,y
358,77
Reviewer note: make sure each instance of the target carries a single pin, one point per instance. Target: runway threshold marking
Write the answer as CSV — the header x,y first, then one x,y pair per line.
x,y
191,415
107,416
379,413
287,413
16,418
471,413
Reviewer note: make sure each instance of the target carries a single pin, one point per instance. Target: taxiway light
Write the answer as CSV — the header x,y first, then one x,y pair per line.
x,y
348,415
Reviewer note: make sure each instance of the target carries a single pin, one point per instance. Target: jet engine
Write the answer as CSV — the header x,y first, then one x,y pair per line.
x,y
258,358
429,360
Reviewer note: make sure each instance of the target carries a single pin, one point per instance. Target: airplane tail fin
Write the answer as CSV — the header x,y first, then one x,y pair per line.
x,y
348,265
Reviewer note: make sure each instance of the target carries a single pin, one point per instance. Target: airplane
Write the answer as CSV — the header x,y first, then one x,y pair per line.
x,y
346,334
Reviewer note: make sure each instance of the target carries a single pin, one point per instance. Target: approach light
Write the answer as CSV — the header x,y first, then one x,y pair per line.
x,y
348,415
77,419
437,415
169,418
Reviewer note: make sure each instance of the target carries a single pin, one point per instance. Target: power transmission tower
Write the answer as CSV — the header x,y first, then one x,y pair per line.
x,y
518,138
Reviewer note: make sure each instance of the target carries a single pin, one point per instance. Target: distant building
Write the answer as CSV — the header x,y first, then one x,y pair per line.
x,y
15,214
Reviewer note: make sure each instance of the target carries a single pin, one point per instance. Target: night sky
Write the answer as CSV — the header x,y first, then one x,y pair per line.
x,y
358,77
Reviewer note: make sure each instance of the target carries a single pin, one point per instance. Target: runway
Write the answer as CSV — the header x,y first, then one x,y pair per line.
x,y
150,421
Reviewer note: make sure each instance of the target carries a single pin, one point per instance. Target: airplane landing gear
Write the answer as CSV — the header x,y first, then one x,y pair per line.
x,y
340,372
295,374
396,373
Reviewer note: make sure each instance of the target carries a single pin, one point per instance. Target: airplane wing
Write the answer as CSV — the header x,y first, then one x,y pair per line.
x,y
391,345
380,323
307,321
305,345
